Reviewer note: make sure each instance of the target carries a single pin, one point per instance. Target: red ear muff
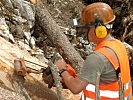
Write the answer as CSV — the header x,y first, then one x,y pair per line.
x,y
101,31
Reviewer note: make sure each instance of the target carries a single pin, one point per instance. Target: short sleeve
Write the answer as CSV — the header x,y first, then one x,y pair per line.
x,y
92,65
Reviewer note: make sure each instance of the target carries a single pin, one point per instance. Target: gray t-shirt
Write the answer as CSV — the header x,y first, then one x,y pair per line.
x,y
97,62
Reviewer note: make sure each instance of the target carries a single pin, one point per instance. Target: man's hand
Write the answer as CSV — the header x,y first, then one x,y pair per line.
x,y
60,64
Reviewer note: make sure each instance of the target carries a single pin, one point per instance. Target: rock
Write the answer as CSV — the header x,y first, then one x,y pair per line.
x,y
4,31
32,42
9,95
24,46
27,36
11,38
38,53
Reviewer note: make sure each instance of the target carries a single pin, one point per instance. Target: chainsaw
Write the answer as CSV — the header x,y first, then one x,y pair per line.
x,y
21,69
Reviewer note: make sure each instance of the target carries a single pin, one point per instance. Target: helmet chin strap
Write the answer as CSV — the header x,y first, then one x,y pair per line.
x,y
88,35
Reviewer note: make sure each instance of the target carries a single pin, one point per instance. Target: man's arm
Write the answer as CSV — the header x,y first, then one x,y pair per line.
x,y
75,85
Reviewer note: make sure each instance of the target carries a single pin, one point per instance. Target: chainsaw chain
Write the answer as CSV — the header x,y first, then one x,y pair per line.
x,y
56,78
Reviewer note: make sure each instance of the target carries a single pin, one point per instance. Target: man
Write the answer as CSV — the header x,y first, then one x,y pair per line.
x,y
109,60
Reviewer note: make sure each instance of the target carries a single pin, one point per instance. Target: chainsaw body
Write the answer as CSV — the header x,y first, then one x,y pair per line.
x,y
21,69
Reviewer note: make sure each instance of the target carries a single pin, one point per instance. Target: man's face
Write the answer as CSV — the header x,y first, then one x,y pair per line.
x,y
87,33
91,34
82,32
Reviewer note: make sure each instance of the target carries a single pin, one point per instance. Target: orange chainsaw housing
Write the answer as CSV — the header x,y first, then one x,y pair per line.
x,y
71,70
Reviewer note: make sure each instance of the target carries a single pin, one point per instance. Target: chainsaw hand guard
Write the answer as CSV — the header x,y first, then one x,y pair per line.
x,y
48,77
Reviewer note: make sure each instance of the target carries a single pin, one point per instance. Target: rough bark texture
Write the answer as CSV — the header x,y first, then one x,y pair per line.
x,y
59,39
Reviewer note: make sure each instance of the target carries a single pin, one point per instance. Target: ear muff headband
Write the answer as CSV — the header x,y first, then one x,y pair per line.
x,y
101,31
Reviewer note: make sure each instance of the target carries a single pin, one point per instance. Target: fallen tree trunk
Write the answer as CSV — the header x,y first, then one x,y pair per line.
x,y
59,39
31,86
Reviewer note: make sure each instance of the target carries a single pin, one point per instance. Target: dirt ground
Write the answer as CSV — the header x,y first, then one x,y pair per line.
x,y
68,95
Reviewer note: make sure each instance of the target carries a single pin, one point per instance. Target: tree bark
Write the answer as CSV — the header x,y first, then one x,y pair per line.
x,y
59,39
30,86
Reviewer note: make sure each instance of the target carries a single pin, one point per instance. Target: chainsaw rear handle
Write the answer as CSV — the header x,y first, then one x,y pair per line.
x,y
71,70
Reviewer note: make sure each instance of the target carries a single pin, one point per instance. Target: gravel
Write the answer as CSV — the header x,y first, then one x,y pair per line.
x,y
9,95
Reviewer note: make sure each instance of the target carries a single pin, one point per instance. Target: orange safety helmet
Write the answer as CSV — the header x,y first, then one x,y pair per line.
x,y
102,10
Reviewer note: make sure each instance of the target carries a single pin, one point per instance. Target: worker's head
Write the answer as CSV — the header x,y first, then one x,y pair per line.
x,y
97,17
